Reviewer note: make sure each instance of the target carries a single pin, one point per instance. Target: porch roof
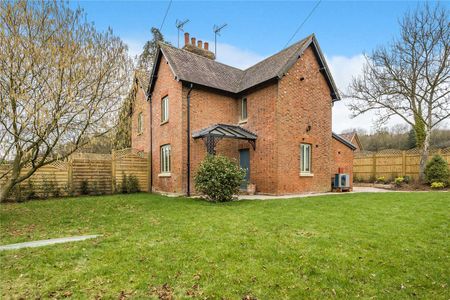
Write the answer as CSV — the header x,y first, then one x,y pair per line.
x,y
225,131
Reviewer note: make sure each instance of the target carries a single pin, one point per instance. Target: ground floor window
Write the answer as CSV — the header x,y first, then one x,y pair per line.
x,y
305,158
165,159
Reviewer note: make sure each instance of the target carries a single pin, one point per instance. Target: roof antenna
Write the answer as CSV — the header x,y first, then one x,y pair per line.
x,y
217,30
180,25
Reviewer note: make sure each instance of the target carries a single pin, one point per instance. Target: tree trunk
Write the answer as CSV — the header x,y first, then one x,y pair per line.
x,y
425,150
6,190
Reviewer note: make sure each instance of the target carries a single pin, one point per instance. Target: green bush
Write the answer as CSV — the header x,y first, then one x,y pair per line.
x,y
132,184
437,170
399,181
437,185
406,179
218,178
381,179
129,184
84,187
123,185
30,192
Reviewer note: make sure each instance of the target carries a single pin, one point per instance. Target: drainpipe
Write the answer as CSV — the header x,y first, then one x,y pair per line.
x,y
151,143
188,139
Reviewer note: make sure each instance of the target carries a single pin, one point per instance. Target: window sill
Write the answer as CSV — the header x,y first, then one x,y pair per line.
x,y
306,175
165,122
164,174
242,122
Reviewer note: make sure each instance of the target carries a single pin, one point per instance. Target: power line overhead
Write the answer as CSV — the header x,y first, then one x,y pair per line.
x,y
304,21
165,15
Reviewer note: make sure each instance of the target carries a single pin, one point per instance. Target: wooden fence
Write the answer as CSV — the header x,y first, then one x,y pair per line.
x,y
391,163
102,172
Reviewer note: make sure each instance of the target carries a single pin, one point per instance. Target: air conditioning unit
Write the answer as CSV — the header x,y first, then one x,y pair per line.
x,y
341,181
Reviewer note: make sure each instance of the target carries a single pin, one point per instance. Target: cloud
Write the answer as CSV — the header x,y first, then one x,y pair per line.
x,y
343,70
236,57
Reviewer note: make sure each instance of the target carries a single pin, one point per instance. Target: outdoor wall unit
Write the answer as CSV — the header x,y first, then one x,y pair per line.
x,y
341,181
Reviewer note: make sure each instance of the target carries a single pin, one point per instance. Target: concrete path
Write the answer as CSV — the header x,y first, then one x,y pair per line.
x,y
47,242
355,190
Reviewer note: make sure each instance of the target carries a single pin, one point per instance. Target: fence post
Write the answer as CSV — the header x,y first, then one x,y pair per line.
x,y
113,171
70,175
374,166
403,163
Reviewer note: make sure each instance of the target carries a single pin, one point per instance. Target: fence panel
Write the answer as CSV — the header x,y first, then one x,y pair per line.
x,y
93,169
128,162
101,173
391,163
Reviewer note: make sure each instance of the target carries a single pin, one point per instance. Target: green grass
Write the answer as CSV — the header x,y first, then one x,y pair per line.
x,y
386,245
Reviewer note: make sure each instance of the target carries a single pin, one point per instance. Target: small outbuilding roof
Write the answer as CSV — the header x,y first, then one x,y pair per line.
x,y
343,141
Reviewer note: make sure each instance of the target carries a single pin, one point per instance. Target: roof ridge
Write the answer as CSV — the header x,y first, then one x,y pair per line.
x,y
282,50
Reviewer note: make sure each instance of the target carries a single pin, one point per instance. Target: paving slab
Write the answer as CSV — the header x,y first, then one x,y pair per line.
x,y
47,242
355,190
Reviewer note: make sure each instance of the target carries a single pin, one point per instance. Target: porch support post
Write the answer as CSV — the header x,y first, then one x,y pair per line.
x,y
210,143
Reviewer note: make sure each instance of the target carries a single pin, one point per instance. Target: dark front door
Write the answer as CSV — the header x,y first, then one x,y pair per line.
x,y
244,162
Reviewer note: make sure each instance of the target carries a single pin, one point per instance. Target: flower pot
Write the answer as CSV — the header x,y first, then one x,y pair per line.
x,y
251,188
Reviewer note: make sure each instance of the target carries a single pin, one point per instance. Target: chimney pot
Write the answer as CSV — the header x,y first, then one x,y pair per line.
x,y
206,46
186,38
199,44
193,41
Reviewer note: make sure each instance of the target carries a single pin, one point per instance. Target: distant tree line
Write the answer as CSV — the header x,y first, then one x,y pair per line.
x,y
399,137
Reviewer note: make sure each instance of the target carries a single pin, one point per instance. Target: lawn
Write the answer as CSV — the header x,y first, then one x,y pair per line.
x,y
386,245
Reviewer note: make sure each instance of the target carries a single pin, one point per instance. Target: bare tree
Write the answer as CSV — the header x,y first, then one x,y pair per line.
x,y
410,77
61,83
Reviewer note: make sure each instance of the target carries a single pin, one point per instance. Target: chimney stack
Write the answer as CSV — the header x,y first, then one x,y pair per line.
x,y
186,38
200,48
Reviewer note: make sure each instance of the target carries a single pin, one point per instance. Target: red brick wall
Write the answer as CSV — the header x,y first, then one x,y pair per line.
x,y
342,158
207,108
140,141
261,106
168,133
303,103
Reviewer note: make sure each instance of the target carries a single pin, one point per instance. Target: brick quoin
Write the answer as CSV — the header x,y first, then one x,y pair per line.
x,y
283,113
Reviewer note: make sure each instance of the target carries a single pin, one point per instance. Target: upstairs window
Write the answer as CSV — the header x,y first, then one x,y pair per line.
x,y
165,109
243,109
305,159
140,123
165,158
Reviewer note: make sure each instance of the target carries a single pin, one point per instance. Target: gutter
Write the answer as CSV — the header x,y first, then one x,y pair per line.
x,y
188,140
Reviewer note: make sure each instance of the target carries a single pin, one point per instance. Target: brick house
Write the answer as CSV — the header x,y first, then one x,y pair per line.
x,y
353,138
274,118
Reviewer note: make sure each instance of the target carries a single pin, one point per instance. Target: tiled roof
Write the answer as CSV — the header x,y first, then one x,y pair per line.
x,y
343,141
143,78
194,68
348,136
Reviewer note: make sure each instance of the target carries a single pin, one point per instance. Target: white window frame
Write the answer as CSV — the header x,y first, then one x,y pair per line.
x,y
244,118
165,109
305,158
165,156
140,123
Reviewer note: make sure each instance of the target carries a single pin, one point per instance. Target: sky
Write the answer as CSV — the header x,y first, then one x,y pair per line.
x,y
255,30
